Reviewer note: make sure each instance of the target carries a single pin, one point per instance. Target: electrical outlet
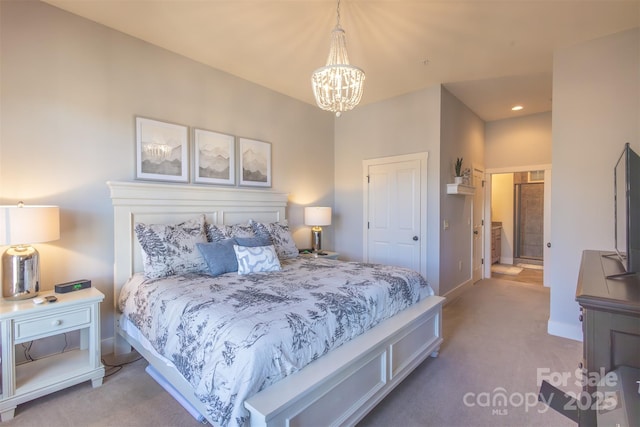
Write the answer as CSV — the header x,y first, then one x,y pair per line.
x,y
459,265
445,225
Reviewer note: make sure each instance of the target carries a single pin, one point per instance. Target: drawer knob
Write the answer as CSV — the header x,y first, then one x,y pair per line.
x,y
580,317
56,323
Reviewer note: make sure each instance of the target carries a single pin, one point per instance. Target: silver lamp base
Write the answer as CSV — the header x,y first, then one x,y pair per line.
x,y
20,273
316,240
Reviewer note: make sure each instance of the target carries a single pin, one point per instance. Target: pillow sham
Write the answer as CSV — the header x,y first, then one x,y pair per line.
x,y
217,232
219,256
241,230
279,235
257,259
169,249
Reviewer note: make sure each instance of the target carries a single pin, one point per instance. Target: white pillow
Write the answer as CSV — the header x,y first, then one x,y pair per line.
x,y
256,259
169,249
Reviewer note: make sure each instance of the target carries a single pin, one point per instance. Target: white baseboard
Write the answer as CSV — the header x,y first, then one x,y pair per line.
x,y
106,346
457,291
565,330
506,260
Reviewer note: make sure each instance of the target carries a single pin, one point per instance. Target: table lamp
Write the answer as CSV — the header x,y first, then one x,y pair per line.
x,y
316,217
20,226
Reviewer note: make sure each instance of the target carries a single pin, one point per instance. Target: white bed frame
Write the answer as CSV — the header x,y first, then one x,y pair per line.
x,y
341,387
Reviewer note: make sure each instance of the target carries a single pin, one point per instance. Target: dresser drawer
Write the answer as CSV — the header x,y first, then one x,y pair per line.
x,y
26,329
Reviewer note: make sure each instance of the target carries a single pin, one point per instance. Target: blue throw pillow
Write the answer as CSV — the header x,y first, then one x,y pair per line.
x,y
252,242
219,256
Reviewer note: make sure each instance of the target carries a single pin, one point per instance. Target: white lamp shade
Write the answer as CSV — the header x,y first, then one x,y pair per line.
x,y
317,216
22,225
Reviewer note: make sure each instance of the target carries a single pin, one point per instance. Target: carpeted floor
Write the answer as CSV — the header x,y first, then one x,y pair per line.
x,y
495,342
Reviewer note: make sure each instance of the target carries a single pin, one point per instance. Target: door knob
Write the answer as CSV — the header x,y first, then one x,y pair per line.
x,y
415,238
548,244
475,232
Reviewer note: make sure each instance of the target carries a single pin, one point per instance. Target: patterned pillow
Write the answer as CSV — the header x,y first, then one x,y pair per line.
x,y
242,230
280,236
217,232
169,249
256,259
219,256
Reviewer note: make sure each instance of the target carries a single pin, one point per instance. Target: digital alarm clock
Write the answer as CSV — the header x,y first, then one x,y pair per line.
x,y
76,285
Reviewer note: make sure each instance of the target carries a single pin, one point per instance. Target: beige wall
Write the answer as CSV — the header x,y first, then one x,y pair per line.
x,y
402,125
521,141
596,105
70,92
502,211
431,120
462,135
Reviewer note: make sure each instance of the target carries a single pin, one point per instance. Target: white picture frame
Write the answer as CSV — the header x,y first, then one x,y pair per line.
x,y
162,151
214,157
255,163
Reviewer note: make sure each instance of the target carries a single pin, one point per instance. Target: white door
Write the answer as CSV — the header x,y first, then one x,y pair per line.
x,y
478,222
395,211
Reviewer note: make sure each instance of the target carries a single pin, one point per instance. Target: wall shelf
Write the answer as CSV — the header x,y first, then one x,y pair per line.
x,y
461,189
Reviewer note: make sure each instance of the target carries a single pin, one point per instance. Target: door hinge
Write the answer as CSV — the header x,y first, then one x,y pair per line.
x,y
481,261
483,181
482,222
368,225
368,179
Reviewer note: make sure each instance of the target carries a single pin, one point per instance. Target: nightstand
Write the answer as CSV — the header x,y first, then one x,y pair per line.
x,y
23,321
329,255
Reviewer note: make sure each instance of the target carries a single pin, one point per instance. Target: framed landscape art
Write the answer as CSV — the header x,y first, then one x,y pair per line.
x,y
255,163
214,157
162,151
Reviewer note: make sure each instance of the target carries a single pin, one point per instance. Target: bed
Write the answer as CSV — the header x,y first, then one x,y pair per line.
x,y
338,380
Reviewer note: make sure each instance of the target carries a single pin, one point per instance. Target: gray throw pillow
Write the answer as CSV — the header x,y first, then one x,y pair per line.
x,y
219,256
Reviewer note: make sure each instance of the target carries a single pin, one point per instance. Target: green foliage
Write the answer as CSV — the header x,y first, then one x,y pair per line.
x,y
459,166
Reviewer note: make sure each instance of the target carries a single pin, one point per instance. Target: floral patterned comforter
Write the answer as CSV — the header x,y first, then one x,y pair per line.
x,y
231,336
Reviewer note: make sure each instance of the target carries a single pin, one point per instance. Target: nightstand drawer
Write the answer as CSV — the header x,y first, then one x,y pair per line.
x,y
25,329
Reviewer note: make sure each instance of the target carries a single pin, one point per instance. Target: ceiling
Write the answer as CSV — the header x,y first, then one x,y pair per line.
x,y
491,54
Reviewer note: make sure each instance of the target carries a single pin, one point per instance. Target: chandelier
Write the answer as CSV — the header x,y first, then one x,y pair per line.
x,y
337,86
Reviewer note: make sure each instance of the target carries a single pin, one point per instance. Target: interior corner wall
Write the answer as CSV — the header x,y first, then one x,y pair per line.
x,y
596,105
461,135
402,125
71,89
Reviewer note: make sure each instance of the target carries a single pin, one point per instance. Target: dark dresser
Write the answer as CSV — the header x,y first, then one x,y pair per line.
x,y
610,315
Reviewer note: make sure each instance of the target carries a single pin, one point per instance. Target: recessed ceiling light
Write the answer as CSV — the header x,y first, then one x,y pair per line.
x,y
517,107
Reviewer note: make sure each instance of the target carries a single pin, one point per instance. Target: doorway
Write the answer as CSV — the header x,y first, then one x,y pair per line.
x,y
395,206
528,224
519,212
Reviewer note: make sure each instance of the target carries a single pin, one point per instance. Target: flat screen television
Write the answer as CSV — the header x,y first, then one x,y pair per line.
x,y
627,211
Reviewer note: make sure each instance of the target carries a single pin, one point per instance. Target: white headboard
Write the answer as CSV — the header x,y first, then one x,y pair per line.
x,y
156,203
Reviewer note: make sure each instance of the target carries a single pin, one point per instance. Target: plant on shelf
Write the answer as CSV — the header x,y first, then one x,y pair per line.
x,y
459,166
458,169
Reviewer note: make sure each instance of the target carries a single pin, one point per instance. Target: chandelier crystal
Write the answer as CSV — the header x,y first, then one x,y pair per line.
x,y
338,85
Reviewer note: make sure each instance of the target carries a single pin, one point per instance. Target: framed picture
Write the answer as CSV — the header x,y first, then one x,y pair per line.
x,y
162,151
255,163
214,157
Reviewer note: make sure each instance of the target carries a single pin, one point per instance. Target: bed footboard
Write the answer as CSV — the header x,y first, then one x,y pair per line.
x,y
343,386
